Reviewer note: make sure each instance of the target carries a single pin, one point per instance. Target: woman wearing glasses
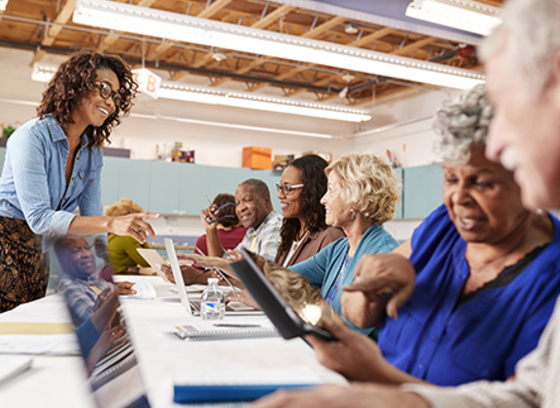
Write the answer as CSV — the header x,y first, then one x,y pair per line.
x,y
304,229
53,166
362,194
222,213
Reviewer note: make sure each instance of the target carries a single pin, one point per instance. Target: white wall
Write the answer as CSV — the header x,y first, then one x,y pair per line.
x,y
403,125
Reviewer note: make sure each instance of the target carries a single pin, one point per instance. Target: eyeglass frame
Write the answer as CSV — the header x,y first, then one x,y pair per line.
x,y
112,94
284,187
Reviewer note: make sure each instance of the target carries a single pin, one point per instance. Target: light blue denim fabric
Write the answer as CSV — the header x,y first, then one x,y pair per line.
x,y
33,179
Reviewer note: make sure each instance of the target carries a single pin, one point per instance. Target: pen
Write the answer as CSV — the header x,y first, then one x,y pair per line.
x,y
236,325
207,198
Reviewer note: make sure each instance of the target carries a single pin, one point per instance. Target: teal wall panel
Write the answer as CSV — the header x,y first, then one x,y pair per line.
x,y
110,180
165,187
134,181
399,212
422,190
194,188
181,188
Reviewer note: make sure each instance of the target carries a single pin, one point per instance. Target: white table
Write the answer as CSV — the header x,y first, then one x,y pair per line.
x,y
59,381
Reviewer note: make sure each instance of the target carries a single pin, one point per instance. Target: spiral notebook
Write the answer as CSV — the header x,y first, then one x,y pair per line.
x,y
225,330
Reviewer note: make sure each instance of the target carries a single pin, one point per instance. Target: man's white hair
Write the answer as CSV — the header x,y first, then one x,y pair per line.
x,y
533,30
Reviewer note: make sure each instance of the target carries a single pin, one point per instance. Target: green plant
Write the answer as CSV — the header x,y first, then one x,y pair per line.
x,y
7,131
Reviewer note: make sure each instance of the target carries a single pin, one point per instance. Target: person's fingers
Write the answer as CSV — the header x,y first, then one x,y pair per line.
x,y
368,284
396,301
277,399
337,327
144,226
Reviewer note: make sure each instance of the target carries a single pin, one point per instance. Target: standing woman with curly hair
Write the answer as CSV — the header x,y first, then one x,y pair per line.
x,y
53,165
304,229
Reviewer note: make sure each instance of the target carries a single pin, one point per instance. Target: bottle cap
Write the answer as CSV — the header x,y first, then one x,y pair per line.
x,y
212,281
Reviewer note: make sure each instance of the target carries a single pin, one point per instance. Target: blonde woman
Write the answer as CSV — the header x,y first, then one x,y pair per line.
x,y
121,249
362,194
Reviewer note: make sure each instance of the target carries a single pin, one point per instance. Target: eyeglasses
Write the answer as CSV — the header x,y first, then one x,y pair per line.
x,y
223,217
106,92
213,210
286,188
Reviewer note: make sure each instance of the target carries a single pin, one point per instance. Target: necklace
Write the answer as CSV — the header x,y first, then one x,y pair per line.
x,y
299,240
302,235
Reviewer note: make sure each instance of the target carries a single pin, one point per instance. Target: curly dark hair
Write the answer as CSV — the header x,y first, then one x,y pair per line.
x,y
74,79
220,200
314,182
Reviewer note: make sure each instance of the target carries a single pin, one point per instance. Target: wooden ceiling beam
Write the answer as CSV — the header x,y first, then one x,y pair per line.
x,y
274,16
146,3
62,18
160,49
243,70
107,42
320,82
280,77
326,26
416,45
213,8
329,97
37,56
368,39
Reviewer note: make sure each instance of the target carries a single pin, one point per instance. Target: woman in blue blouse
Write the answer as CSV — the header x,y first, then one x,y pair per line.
x,y
487,275
362,194
53,166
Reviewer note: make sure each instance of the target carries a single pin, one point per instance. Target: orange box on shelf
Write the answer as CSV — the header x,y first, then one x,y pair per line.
x,y
257,158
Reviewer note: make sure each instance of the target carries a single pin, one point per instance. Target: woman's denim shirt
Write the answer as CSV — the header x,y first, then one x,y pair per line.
x,y
33,181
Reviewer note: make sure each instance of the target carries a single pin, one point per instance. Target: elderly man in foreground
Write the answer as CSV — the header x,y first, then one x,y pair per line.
x,y
523,66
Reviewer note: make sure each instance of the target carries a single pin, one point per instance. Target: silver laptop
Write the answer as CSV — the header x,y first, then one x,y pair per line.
x,y
192,306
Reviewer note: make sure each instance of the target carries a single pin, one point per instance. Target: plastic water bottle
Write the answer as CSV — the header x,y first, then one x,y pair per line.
x,y
212,302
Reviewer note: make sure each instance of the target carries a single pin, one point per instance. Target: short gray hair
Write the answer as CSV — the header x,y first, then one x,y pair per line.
x,y
533,29
259,186
462,123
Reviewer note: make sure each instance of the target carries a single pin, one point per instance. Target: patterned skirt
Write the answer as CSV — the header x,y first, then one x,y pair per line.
x,y
24,273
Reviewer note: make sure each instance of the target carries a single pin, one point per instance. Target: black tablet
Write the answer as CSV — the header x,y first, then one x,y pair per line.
x,y
288,323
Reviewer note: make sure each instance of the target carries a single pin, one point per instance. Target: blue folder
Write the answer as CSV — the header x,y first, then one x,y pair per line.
x,y
228,393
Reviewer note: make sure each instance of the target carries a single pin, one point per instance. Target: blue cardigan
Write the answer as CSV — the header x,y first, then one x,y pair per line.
x,y
323,268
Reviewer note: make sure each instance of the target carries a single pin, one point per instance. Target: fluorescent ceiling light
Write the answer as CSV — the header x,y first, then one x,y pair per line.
x,y
234,126
464,15
213,96
3,4
179,27
184,92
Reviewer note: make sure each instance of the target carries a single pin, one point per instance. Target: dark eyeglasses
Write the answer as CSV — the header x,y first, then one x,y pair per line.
x,y
223,217
286,188
106,92
222,207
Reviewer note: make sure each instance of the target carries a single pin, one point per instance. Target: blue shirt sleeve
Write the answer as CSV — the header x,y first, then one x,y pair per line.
x,y
316,267
31,182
